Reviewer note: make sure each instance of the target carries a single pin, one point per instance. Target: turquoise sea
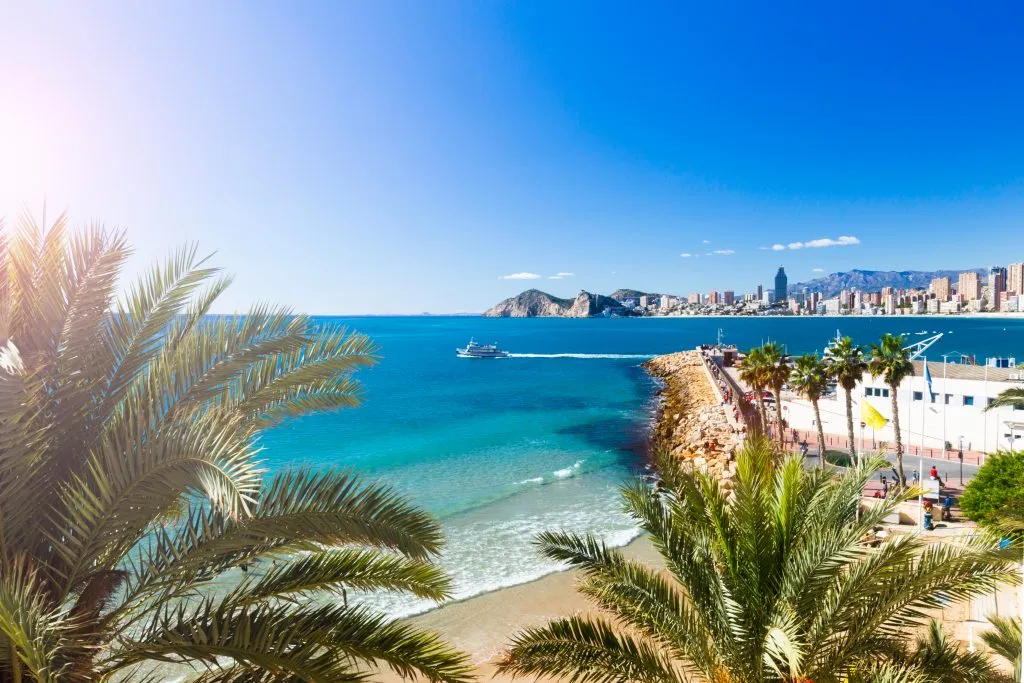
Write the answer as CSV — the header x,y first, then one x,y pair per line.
x,y
503,449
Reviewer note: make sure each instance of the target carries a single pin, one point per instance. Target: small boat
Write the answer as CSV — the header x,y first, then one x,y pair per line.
x,y
474,350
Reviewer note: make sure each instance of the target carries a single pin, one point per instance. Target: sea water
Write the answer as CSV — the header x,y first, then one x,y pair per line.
x,y
503,449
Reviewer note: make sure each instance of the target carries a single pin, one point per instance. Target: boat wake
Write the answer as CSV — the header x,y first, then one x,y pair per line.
x,y
613,356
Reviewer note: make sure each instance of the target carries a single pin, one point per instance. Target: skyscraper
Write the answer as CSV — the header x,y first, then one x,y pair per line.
x,y
940,288
969,286
780,285
1015,278
760,292
996,286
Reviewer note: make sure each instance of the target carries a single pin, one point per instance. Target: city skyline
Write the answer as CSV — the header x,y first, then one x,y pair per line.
x,y
401,158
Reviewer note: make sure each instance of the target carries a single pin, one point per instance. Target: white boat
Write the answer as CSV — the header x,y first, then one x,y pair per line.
x,y
474,350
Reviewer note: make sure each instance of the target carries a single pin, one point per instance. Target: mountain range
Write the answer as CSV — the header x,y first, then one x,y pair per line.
x,y
534,303
874,280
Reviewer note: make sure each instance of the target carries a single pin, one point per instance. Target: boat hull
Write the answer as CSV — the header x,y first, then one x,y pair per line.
x,y
463,353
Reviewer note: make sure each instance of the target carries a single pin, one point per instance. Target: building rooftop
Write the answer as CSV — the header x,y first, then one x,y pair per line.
x,y
960,371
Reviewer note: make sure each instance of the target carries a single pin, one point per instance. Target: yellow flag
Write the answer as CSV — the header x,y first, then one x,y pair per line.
x,y
872,417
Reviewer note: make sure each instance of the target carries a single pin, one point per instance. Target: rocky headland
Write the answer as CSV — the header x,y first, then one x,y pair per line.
x,y
534,303
693,424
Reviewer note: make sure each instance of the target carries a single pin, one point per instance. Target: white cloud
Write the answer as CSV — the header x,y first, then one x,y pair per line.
x,y
842,241
520,276
817,270
705,241
778,247
724,252
686,254
560,276
763,248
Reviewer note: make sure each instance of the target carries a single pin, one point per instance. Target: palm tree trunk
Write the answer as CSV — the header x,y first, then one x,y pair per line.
x,y
762,413
899,437
821,433
778,417
849,424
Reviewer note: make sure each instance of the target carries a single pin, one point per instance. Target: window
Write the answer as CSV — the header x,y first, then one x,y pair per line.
x,y
948,398
918,395
968,400
934,397
868,391
885,392
989,401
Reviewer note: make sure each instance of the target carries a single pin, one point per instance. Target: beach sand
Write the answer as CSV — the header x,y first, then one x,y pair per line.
x,y
483,625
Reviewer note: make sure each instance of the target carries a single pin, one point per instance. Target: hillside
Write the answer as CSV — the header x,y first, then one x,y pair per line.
x,y
621,294
534,303
874,280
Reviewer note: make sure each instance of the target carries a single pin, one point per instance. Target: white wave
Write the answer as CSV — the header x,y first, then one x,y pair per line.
x,y
533,480
569,471
613,356
398,606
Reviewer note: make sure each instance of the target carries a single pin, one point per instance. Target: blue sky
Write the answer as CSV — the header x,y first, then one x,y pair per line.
x,y
380,157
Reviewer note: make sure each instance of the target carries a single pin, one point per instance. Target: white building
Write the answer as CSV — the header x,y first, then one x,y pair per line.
x,y
953,412
666,302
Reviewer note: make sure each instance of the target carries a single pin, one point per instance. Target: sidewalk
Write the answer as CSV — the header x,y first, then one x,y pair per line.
x,y
835,442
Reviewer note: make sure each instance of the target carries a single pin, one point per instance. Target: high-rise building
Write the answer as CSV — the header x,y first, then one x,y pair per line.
x,y
996,286
760,292
644,301
780,285
728,297
940,288
693,298
714,298
1015,278
969,286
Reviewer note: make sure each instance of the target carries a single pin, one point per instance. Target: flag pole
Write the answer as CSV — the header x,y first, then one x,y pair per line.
x,y
944,398
920,454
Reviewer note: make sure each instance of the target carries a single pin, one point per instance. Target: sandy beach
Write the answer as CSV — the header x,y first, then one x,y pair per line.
x,y
483,625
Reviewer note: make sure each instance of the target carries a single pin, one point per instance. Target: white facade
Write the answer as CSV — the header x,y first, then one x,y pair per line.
x,y
955,411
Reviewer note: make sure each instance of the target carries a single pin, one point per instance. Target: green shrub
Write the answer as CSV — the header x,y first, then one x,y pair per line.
x,y
997,490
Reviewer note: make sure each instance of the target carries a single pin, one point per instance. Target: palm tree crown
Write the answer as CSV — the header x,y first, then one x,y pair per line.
x,y
129,482
809,376
890,360
775,585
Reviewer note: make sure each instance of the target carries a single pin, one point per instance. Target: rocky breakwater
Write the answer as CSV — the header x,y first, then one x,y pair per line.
x,y
693,424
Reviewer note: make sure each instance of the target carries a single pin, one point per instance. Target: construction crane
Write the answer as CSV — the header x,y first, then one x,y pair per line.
x,y
918,348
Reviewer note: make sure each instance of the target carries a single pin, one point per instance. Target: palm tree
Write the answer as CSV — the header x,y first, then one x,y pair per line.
x,y
847,366
1005,641
129,484
946,662
774,583
1013,398
809,377
753,373
891,361
776,370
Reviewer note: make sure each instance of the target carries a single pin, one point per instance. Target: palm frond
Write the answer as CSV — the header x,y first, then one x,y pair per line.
x,y
587,650
345,568
1005,640
310,643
